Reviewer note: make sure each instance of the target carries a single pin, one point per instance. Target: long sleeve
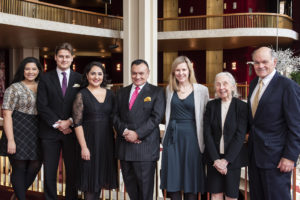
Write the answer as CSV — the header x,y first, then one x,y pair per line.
x,y
237,141
119,125
77,111
45,112
291,107
208,137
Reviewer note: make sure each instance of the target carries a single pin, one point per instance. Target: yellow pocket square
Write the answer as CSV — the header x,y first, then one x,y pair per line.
x,y
147,99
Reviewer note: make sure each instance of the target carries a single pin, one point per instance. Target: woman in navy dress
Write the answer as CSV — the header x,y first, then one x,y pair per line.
x,y
92,114
183,144
20,140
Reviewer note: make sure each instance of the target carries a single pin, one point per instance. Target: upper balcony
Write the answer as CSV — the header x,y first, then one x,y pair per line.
x,y
225,31
31,21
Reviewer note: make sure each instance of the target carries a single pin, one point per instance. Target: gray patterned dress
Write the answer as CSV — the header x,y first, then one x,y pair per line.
x,y
22,101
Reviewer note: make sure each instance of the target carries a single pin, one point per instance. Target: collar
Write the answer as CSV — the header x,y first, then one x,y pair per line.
x,y
134,86
59,71
268,78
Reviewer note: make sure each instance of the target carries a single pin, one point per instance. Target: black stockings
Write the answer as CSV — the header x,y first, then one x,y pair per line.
x,y
91,195
23,175
177,196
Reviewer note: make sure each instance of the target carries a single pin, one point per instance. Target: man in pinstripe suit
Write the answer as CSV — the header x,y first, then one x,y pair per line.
x,y
140,109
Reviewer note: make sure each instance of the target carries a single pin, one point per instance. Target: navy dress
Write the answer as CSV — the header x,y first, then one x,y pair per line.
x,y
182,165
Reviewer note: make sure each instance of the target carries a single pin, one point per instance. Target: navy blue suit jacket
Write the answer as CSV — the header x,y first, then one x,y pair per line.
x,y
275,128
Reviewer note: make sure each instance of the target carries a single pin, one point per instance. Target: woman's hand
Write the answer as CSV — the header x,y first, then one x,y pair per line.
x,y
85,153
11,147
221,166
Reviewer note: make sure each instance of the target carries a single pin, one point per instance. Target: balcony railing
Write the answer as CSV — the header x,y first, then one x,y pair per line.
x,y
120,193
237,20
52,12
56,13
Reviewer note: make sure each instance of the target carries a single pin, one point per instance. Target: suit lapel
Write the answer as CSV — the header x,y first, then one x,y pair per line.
x,y
230,114
56,83
70,83
127,96
140,98
251,89
219,113
252,86
266,94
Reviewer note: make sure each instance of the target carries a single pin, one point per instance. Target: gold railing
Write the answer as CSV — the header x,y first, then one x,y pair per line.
x,y
52,12
237,20
120,193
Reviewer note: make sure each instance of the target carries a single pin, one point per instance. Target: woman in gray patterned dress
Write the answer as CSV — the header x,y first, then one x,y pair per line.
x,y
20,140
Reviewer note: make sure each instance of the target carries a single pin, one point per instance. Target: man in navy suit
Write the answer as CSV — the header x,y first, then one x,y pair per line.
x,y
274,118
140,109
56,92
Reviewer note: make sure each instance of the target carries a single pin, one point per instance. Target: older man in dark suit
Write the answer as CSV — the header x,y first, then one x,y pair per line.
x,y
140,109
56,92
274,141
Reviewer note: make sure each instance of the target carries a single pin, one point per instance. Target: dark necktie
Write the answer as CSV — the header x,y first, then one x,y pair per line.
x,y
64,83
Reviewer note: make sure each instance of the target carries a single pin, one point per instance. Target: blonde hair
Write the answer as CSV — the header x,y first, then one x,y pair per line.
x,y
173,83
232,81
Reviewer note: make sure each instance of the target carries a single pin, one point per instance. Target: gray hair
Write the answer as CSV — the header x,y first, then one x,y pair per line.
x,y
272,52
232,81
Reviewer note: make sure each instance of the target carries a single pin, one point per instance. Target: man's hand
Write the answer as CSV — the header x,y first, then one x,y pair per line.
x,y
286,165
67,131
131,136
63,124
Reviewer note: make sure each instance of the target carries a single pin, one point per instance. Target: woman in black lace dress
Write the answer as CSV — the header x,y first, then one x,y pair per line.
x,y
92,113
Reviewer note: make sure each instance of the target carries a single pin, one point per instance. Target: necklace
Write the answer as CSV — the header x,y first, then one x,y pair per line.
x,y
185,89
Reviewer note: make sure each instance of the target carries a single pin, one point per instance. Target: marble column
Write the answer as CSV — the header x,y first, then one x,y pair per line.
x,y
140,36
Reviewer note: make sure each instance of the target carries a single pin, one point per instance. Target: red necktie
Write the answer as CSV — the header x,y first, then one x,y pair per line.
x,y
133,97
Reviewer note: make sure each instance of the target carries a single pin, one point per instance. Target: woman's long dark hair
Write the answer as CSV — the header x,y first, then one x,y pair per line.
x,y
87,69
19,76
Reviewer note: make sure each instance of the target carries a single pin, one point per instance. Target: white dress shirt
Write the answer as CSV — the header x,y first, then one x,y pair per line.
x,y
133,89
265,83
60,76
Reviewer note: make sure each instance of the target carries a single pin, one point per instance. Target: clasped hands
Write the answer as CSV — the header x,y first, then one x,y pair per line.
x,y
221,166
64,126
131,136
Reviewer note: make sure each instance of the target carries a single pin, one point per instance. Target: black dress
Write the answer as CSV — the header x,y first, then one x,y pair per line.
x,y
182,166
96,119
19,99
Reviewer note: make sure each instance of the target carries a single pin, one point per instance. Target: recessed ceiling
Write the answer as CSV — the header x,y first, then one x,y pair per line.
x,y
21,37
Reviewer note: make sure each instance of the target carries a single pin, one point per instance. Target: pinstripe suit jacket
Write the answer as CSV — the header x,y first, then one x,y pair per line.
x,y
144,118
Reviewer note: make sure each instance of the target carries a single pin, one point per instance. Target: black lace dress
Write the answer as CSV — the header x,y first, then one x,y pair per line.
x,y
96,119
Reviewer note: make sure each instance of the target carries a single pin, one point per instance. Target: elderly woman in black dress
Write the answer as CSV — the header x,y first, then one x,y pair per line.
x,y
20,141
225,126
92,114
